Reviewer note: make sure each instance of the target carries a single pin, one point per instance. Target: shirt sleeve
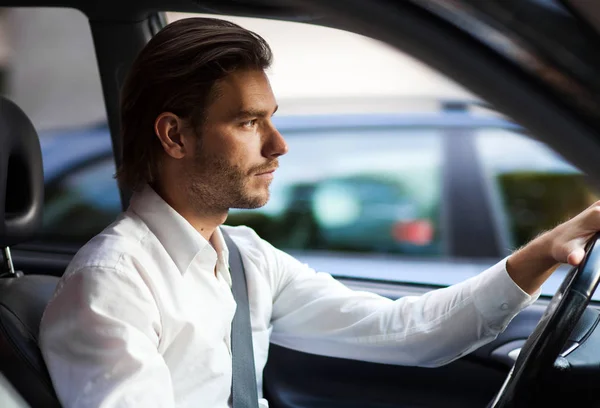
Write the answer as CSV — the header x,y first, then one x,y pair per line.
x,y
99,338
313,312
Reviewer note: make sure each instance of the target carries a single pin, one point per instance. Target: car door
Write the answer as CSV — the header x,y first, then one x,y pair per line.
x,y
294,379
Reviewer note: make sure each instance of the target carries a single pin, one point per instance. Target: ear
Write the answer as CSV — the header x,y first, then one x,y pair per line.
x,y
171,131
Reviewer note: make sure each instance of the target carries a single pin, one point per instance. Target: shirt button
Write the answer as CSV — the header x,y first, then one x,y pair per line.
x,y
504,306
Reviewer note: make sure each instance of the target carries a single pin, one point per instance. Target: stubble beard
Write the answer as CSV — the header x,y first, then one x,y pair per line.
x,y
215,186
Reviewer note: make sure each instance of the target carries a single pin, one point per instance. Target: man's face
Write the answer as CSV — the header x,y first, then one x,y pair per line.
x,y
238,146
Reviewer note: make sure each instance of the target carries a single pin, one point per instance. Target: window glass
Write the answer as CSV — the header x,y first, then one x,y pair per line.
x,y
49,69
533,187
75,211
375,189
360,192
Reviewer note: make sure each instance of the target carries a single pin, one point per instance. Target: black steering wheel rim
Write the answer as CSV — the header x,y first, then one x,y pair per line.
x,y
543,348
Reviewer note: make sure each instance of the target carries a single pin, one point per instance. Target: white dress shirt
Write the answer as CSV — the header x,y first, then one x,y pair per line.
x,y
142,316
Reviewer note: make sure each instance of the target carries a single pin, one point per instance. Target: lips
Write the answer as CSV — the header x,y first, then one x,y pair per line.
x,y
267,171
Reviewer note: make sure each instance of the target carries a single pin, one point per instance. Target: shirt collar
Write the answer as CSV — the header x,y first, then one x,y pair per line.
x,y
220,246
182,242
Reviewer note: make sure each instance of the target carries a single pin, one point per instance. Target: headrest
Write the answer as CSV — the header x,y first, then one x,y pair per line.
x,y
21,176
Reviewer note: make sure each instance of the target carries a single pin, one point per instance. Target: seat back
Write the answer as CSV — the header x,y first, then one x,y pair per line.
x,y
22,298
22,303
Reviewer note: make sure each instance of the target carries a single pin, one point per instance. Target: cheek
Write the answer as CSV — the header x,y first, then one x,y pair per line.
x,y
224,159
244,150
234,145
216,144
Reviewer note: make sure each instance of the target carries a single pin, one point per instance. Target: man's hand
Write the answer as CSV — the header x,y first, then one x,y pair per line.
x,y
530,266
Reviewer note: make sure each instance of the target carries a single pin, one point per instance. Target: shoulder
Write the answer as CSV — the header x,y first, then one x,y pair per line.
x,y
116,248
106,271
127,235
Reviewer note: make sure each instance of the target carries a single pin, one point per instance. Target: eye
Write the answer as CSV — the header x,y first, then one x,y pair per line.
x,y
249,123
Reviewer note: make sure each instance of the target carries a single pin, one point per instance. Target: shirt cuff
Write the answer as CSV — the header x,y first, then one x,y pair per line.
x,y
498,298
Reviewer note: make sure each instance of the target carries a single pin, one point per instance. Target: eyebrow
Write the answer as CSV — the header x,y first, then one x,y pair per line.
x,y
255,112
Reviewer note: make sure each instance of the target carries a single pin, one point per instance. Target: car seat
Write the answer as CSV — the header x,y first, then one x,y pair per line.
x,y
23,298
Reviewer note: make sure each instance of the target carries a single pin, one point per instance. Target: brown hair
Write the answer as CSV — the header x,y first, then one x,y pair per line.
x,y
176,72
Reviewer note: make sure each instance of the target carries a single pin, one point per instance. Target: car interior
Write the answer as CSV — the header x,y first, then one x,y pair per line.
x,y
548,356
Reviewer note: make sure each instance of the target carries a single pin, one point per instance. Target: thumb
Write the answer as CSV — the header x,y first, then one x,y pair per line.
x,y
576,256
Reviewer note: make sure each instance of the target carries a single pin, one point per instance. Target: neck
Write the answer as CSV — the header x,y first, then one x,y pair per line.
x,y
205,220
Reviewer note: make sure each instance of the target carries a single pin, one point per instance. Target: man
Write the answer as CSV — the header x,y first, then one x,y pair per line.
x,y
142,316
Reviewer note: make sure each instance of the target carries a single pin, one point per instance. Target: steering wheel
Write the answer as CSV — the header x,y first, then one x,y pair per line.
x,y
544,345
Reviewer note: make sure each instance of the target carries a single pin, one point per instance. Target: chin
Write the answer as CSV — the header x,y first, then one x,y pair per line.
x,y
252,201
259,202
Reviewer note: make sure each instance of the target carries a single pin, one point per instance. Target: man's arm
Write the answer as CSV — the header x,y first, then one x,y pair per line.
x,y
530,266
314,313
99,337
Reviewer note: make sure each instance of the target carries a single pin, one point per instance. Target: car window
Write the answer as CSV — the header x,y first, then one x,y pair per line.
x,y
370,199
374,190
85,200
532,187
41,78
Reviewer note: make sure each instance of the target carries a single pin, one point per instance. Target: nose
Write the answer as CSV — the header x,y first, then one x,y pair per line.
x,y
275,145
